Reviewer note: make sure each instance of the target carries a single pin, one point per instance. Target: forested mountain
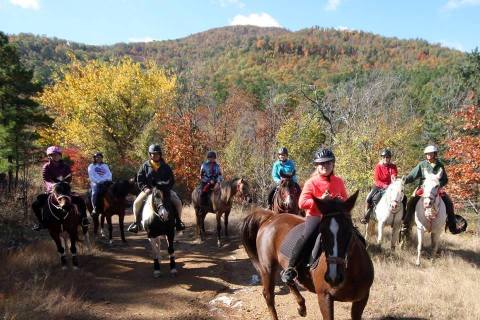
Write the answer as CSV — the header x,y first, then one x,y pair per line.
x,y
250,57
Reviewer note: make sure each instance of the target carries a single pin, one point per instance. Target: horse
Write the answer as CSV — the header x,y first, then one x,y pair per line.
x,y
158,220
112,201
344,271
62,218
219,202
430,213
389,211
285,199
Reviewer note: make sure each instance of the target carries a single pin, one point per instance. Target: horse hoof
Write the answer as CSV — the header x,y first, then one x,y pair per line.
x,y
173,272
219,244
110,242
156,274
64,267
75,268
302,311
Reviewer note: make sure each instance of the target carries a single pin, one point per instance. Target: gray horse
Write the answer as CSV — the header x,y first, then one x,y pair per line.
x,y
219,202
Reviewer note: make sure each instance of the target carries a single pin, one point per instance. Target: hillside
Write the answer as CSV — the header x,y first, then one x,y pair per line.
x,y
250,57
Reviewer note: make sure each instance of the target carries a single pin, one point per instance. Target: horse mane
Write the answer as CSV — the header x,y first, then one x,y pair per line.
x,y
226,188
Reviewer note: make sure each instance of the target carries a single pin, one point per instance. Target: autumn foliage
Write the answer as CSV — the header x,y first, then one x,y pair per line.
x,y
464,155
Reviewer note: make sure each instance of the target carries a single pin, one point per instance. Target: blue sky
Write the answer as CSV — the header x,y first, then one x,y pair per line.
x,y
453,23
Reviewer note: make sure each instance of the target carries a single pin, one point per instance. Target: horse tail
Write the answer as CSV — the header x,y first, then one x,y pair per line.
x,y
249,230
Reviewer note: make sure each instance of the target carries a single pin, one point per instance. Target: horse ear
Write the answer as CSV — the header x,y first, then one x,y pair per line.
x,y
350,202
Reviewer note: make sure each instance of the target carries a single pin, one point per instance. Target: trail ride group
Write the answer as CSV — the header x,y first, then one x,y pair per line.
x,y
306,233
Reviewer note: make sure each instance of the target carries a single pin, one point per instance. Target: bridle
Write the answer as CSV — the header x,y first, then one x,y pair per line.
x,y
57,198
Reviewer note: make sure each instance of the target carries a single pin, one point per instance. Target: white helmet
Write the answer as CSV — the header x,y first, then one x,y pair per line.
x,y
430,149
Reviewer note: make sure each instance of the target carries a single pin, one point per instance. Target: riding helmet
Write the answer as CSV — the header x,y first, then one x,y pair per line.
x,y
211,154
283,150
53,149
98,154
323,155
155,148
386,153
430,149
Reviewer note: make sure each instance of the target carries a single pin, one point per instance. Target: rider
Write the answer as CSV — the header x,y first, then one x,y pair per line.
x,y
323,183
285,165
150,173
98,172
431,165
54,171
210,175
385,171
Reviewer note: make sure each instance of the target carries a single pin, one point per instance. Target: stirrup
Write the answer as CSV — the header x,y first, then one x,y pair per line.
x,y
133,228
288,275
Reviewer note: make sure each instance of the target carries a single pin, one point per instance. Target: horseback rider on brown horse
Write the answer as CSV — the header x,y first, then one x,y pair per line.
x,y
55,171
210,176
98,173
286,167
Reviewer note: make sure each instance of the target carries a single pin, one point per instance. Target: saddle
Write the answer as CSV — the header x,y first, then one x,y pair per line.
x,y
310,260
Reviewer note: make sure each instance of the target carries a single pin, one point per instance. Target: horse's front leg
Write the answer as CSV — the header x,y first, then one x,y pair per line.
x,y
96,224
200,221
325,301
110,228
435,236
227,213
171,252
55,234
102,225
121,219
395,230
219,228
73,248
155,244
302,309
420,244
358,307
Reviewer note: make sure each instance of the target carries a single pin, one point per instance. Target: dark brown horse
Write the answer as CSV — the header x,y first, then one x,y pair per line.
x,y
62,217
112,200
219,202
344,272
286,197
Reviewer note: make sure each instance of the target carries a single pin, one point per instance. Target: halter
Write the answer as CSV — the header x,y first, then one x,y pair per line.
x,y
434,208
392,210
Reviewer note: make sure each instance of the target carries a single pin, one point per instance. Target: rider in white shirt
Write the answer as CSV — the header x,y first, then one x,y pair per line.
x,y
98,172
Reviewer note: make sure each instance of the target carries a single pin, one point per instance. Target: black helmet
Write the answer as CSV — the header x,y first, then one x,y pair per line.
x,y
97,154
283,150
323,155
155,148
386,153
211,154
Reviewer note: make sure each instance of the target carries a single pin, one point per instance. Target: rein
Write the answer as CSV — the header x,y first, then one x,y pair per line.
x,y
50,204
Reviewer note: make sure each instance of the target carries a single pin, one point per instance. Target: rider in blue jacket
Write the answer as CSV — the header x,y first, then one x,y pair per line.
x,y
283,166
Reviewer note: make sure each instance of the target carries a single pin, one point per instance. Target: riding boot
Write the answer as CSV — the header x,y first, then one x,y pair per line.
x,y
451,220
368,213
82,210
290,273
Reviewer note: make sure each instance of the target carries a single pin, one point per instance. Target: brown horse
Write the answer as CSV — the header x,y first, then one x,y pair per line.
x,y
219,202
112,201
285,199
344,272
62,217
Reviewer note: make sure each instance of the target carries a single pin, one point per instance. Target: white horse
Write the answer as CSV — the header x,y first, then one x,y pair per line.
x,y
389,211
430,212
159,223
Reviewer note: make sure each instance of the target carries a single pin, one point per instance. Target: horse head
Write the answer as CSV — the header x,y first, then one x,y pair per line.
x,y
395,193
336,230
286,199
431,187
160,197
61,192
243,190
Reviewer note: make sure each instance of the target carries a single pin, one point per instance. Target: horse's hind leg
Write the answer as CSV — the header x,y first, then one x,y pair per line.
x,y
325,301
358,307
219,229
225,218
110,228
171,252
379,232
268,282
121,219
302,309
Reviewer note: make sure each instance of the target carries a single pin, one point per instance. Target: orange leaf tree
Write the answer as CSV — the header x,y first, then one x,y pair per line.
x,y
464,157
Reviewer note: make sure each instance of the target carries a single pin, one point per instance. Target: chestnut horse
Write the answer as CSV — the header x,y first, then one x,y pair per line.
x,y
344,271
112,201
285,199
219,202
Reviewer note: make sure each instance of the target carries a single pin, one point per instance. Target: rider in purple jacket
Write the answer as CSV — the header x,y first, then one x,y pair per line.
x,y
54,171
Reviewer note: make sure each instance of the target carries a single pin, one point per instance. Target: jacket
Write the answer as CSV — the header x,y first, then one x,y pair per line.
x,y
147,177
383,174
53,172
287,167
210,171
99,172
417,172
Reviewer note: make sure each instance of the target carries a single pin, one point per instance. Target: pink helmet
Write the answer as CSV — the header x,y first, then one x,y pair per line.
x,y
53,149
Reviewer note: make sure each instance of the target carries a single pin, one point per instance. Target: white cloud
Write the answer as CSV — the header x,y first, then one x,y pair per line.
x,y
452,45
144,39
343,28
332,5
226,3
254,19
455,4
27,4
